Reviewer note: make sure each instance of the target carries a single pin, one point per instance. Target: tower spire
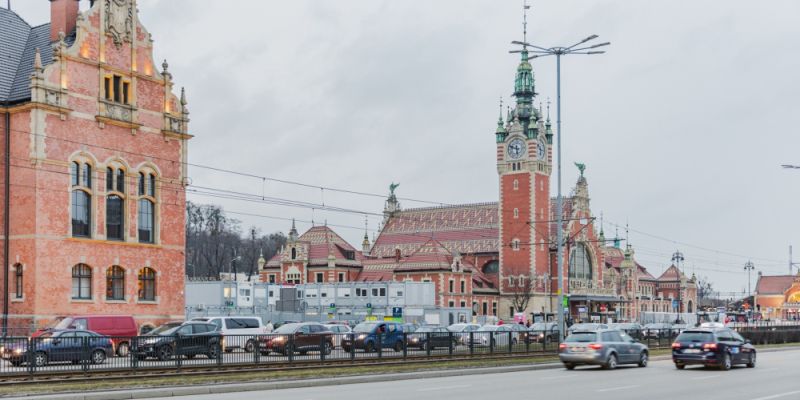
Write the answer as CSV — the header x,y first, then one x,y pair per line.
x,y
525,8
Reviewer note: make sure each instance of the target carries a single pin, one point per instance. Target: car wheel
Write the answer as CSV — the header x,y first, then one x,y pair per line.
x,y
164,353
346,349
40,359
369,347
327,347
288,349
751,362
611,363
229,350
123,349
398,346
680,366
569,366
726,362
514,341
98,357
213,350
250,346
643,359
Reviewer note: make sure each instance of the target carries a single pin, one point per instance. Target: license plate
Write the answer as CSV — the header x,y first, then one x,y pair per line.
x,y
691,351
577,349
734,350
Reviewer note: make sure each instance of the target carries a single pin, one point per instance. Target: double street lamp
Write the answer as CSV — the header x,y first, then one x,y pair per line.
x,y
748,266
538,51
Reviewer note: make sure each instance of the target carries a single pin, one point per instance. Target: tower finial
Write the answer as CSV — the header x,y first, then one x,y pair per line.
x,y
548,109
525,8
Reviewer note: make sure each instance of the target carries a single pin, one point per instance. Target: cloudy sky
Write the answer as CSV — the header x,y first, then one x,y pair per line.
x,y
683,124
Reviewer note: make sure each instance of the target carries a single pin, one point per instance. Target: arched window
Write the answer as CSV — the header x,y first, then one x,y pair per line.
x,y
147,208
18,281
580,266
82,282
81,197
146,221
294,253
516,184
115,217
516,213
147,284
115,283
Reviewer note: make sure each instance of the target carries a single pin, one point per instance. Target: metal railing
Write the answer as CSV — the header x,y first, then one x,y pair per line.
x,y
42,355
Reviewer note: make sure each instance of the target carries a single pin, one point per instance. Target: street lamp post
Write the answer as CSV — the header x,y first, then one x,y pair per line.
x,y
748,266
677,258
577,48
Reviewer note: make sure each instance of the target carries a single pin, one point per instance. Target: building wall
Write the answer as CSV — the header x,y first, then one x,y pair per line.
x,y
75,123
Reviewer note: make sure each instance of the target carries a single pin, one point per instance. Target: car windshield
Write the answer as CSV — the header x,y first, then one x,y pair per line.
x,y
365,327
539,326
582,337
583,326
457,327
165,330
64,323
487,328
696,336
424,329
287,328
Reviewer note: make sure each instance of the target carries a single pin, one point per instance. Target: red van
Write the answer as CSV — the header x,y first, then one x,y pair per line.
x,y
119,328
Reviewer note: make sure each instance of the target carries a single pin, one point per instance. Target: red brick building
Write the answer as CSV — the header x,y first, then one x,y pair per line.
x,y
95,169
778,296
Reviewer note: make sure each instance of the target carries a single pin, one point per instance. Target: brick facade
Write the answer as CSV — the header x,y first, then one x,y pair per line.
x,y
99,124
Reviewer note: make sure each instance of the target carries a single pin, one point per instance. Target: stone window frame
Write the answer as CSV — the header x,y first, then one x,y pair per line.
x,y
79,272
111,279
82,178
143,280
109,89
147,190
19,282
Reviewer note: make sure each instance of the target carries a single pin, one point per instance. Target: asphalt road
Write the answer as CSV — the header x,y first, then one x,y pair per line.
x,y
774,378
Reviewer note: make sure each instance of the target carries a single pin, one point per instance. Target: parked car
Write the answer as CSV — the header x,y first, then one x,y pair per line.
x,y
657,330
462,331
299,337
179,339
119,328
605,347
541,331
237,332
494,335
431,337
366,336
60,345
409,327
721,347
338,331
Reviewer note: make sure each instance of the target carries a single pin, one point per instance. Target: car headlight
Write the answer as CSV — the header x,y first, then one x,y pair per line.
x,y
150,340
414,340
278,339
541,335
362,337
18,351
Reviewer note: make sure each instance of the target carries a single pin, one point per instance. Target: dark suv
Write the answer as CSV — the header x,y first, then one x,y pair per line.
x,y
719,347
605,347
297,337
179,338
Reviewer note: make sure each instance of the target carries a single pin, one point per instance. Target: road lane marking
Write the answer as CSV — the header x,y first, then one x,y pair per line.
x,y
777,396
617,388
430,389
702,378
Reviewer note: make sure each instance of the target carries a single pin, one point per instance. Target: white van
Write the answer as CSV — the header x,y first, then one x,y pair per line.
x,y
237,332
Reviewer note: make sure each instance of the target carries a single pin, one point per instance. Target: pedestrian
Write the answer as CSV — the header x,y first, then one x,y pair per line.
x,y
500,322
528,324
269,327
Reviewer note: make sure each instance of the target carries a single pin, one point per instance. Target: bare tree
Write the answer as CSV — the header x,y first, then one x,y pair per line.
x,y
522,291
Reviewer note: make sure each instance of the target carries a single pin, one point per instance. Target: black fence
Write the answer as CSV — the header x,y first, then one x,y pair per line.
x,y
43,355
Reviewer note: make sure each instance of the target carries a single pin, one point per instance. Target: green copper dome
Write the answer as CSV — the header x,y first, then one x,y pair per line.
x,y
523,84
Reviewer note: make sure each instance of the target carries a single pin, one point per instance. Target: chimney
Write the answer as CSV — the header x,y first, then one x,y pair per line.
x,y
63,17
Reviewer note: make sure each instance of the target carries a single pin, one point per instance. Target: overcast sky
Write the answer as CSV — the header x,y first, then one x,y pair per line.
x,y
683,124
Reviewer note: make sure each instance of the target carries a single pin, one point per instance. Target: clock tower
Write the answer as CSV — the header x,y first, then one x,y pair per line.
x,y
524,159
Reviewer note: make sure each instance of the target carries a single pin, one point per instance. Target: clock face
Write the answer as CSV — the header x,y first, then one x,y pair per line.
x,y
540,150
516,149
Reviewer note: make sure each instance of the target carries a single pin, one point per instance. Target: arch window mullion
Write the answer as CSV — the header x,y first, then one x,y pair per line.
x,y
18,286
82,282
115,283
147,284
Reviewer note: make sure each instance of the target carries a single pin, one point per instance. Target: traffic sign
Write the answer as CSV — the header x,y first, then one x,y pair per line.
x,y
369,305
565,301
397,312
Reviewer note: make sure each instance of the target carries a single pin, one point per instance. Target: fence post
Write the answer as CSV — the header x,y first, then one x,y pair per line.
x,y
510,342
527,337
352,346
428,345
491,342
85,356
471,345
379,345
405,345
31,347
289,348
322,343
256,348
177,352
133,351
450,342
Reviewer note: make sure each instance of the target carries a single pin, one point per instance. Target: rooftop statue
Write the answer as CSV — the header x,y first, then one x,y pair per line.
x,y
581,167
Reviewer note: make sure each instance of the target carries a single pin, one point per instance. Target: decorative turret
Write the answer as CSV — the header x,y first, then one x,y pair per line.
x,y
293,233
392,205
501,131
581,190
548,126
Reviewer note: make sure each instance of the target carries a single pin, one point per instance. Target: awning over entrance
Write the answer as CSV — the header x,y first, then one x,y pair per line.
x,y
607,299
